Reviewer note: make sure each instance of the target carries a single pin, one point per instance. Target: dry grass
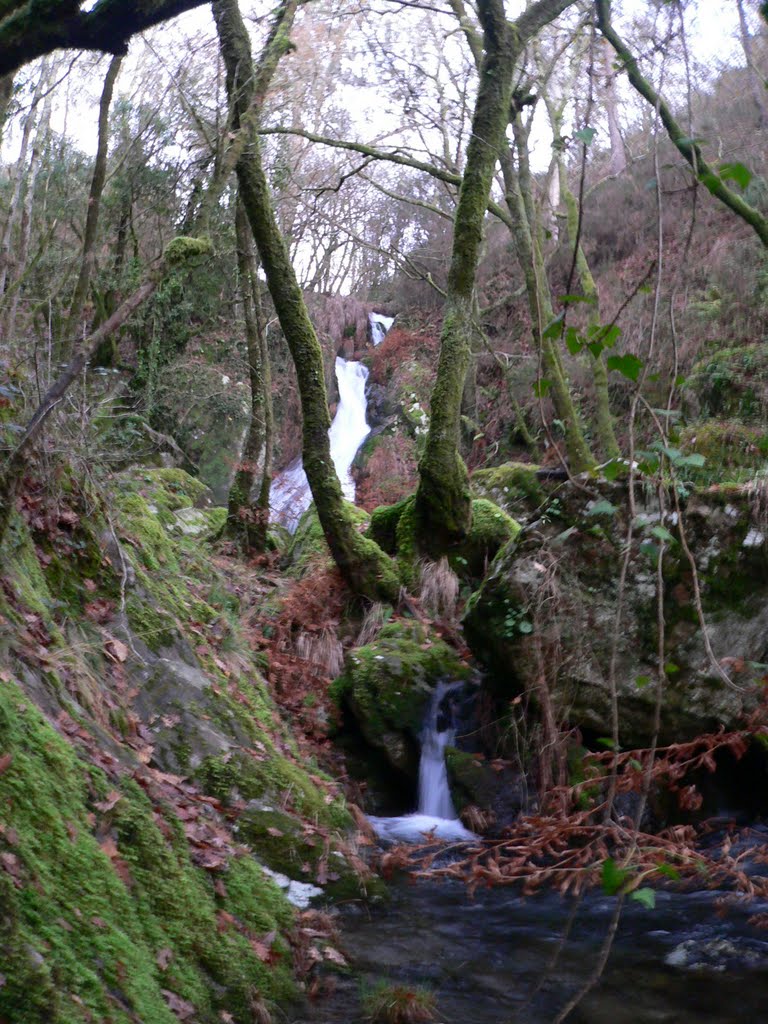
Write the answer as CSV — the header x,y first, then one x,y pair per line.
x,y
438,589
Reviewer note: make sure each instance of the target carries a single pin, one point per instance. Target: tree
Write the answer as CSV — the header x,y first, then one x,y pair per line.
x,y
364,565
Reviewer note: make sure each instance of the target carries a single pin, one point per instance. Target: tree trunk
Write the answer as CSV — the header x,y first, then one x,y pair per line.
x,y
443,508
246,520
98,179
365,567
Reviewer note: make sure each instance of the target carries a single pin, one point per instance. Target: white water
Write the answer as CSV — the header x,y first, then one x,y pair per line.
x,y
380,324
290,495
435,815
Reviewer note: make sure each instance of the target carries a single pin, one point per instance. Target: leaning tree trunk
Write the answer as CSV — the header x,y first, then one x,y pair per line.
x,y
246,520
365,567
88,256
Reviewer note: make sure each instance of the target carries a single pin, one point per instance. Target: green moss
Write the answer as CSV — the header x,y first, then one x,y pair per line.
x,y
491,529
80,942
309,546
514,486
181,249
471,780
387,685
727,446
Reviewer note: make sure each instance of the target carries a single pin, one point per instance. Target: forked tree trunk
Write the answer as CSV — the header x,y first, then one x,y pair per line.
x,y
363,564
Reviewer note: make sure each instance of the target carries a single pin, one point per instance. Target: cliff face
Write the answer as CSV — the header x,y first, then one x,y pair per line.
x,y
149,789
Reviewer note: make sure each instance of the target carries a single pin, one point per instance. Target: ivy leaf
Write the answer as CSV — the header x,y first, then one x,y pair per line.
x,y
541,387
606,741
585,135
736,172
668,871
662,533
612,469
554,328
645,896
710,181
628,365
612,876
602,508
573,341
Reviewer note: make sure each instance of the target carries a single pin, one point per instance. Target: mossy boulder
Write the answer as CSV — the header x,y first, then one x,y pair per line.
x,y
544,619
513,486
470,778
730,448
387,684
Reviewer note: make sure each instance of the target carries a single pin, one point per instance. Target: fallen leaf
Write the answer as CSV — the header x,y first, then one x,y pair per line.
x,y
5,762
115,649
107,804
163,958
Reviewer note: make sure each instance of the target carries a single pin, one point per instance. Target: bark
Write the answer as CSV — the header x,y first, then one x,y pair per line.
x,y
687,147
19,264
365,567
177,253
618,162
247,520
443,503
6,94
15,207
88,256
32,28
756,80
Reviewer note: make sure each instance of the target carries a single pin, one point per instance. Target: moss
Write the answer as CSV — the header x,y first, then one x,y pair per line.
x,y
471,780
383,524
514,486
727,446
491,529
309,545
80,942
387,685
181,249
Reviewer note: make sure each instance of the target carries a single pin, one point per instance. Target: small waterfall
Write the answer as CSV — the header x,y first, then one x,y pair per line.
x,y
290,496
436,813
380,324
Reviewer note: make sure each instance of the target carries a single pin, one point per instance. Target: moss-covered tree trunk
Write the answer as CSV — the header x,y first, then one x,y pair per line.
x,y
364,565
542,313
443,508
246,519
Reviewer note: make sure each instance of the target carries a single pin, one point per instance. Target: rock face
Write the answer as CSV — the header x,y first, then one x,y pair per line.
x,y
545,619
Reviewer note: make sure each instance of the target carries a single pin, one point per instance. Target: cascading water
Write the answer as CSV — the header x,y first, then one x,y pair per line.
x,y
436,814
290,496
380,325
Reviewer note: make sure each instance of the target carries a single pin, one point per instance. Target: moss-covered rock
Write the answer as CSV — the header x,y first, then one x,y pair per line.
x,y
729,447
387,685
470,778
545,616
142,664
103,913
513,486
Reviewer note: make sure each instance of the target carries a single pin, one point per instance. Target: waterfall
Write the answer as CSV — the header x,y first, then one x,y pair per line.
x,y
380,324
290,496
435,813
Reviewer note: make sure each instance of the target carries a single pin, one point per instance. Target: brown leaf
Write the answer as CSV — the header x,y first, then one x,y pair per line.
x,y
107,804
181,1007
163,958
116,650
5,762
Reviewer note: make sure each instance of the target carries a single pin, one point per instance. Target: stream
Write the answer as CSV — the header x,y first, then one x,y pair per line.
x,y
499,958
